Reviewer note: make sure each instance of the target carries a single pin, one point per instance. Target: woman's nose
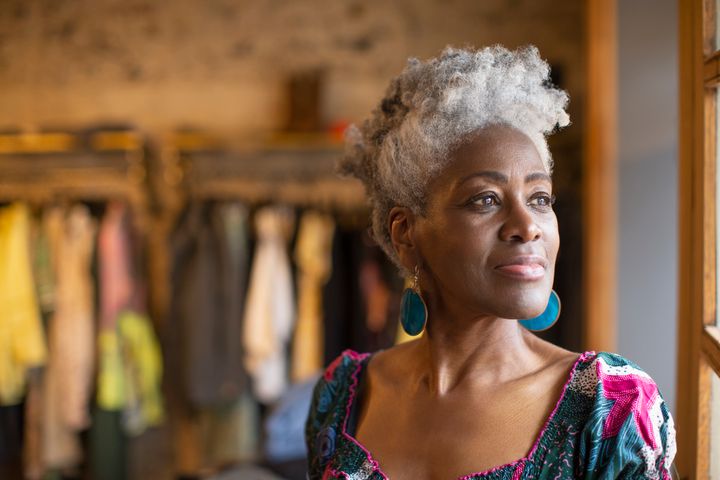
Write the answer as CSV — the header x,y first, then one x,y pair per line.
x,y
520,225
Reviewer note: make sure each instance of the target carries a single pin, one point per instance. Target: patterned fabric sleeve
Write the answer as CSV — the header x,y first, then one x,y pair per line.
x,y
321,427
630,433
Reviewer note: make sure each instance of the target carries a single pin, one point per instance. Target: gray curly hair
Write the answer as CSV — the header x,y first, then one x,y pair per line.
x,y
431,107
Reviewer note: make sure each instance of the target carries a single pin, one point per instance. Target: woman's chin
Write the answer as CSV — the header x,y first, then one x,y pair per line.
x,y
525,307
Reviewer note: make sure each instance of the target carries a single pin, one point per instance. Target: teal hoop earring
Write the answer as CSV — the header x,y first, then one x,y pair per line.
x,y
413,311
546,319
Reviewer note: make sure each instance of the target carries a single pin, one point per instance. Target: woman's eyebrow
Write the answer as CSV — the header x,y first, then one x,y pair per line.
x,y
501,178
497,177
533,177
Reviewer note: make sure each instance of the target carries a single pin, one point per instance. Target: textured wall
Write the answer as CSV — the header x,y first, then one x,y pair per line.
x,y
221,64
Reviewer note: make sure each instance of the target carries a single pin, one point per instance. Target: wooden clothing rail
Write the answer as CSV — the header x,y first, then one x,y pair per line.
x,y
279,170
43,168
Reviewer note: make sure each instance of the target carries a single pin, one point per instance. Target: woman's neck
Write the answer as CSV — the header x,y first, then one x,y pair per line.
x,y
478,352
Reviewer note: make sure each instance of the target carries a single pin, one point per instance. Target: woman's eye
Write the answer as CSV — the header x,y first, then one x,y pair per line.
x,y
486,200
543,200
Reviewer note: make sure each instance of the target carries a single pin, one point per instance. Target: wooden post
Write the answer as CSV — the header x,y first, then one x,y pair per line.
x,y
696,113
600,189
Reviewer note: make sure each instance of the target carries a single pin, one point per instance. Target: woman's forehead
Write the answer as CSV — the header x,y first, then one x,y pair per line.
x,y
495,149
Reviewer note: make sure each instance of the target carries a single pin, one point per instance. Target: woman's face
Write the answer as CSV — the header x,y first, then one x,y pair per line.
x,y
490,236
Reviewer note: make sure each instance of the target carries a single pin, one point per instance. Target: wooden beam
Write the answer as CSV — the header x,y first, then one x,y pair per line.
x,y
600,178
691,414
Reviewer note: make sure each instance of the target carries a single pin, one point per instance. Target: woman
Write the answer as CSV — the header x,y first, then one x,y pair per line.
x,y
457,168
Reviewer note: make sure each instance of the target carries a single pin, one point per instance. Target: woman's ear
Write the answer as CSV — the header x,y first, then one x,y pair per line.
x,y
401,227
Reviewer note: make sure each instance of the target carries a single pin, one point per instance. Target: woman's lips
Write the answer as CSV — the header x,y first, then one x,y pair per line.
x,y
524,268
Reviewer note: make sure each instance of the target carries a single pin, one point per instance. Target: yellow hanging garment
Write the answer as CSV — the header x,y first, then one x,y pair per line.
x,y
313,256
143,372
22,341
111,380
131,372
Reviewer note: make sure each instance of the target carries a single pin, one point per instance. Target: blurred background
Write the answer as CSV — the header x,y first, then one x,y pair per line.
x,y
178,260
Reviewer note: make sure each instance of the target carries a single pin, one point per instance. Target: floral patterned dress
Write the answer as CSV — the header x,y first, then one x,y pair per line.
x,y
609,422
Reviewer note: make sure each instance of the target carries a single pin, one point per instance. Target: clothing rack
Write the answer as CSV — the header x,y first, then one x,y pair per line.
x,y
159,180
298,172
42,168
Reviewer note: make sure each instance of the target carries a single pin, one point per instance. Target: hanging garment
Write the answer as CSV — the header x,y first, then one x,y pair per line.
x,y
116,286
130,370
73,327
231,433
285,425
207,296
44,263
230,221
71,338
143,373
22,341
216,418
116,276
269,311
46,236
312,256
44,273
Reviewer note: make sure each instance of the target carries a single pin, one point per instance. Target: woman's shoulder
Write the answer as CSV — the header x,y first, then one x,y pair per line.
x,y
342,367
598,372
619,388
627,422
337,380
384,365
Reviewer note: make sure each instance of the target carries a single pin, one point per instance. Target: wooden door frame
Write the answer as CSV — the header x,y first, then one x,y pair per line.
x,y
600,178
696,222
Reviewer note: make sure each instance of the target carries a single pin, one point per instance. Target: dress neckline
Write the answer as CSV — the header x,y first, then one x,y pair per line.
x,y
364,359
